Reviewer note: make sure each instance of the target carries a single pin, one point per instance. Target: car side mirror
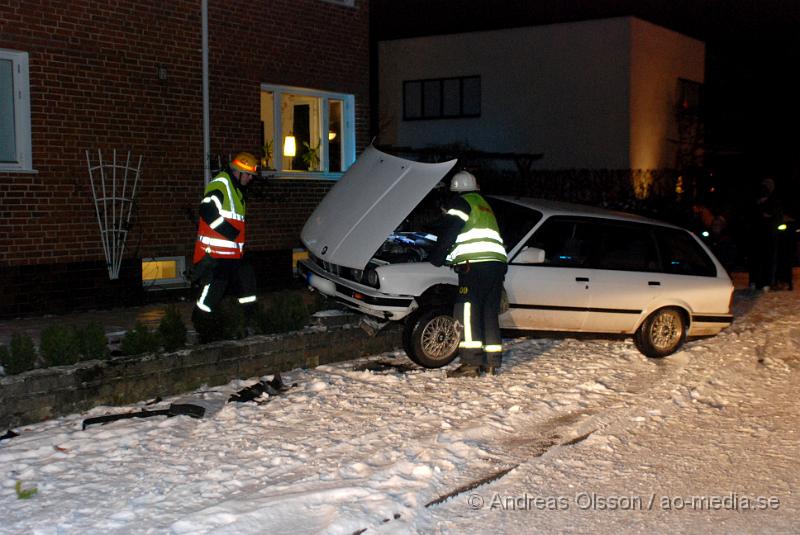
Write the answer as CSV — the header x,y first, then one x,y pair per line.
x,y
530,255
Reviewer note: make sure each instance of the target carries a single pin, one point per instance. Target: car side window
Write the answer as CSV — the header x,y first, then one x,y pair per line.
x,y
625,247
513,220
566,242
682,255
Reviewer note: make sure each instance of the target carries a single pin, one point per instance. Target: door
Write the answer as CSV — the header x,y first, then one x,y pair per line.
x,y
625,278
554,295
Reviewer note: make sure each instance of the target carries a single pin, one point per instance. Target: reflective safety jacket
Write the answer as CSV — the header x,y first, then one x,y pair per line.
x,y
479,239
222,220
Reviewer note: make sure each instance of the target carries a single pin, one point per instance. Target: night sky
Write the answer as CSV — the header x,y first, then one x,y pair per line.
x,y
752,51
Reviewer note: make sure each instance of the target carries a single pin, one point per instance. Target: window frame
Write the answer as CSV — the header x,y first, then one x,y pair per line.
x,y
22,112
179,281
441,115
348,133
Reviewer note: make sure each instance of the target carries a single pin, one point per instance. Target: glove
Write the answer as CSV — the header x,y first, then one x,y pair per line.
x,y
436,258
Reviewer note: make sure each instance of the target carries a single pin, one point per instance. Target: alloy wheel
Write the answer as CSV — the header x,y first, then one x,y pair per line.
x,y
440,337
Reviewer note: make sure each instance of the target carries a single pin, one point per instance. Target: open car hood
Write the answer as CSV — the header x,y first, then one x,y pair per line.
x,y
370,200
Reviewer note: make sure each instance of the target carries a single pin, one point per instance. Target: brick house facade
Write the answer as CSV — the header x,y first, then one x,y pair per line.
x,y
94,84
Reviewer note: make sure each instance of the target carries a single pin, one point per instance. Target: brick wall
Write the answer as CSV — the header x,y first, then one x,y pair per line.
x,y
94,84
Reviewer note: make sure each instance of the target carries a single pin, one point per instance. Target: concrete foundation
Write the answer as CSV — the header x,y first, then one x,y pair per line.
x,y
47,393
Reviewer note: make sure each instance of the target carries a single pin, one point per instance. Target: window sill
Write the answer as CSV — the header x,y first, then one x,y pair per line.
x,y
19,171
300,175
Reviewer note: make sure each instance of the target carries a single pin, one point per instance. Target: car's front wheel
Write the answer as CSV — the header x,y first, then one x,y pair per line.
x,y
431,337
662,333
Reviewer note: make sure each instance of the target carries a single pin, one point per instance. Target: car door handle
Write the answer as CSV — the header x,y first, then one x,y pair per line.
x,y
581,279
654,283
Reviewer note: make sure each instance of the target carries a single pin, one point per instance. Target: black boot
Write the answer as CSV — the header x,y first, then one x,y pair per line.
x,y
492,362
206,325
490,370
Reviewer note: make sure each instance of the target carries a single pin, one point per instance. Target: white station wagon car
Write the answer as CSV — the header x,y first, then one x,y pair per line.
x,y
571,268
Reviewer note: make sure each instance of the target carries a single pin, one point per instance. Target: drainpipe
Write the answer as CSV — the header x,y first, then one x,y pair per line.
x,y
206,127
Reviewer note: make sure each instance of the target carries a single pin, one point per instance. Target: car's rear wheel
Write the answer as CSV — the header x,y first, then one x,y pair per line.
x,y
662,333
431,337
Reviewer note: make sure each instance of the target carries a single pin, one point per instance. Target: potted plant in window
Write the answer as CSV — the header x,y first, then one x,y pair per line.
x,y
310,156
266,159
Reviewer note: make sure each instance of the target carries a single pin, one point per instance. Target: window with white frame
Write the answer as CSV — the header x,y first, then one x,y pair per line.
x,y
15,112
307,132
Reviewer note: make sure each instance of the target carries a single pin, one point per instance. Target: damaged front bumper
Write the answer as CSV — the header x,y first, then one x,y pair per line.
x,y
356,296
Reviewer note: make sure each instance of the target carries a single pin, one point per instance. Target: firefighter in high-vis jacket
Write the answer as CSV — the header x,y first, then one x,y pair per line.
x,y
220,241
470,242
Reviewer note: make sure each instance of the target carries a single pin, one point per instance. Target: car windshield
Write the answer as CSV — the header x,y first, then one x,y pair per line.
x,y
514,220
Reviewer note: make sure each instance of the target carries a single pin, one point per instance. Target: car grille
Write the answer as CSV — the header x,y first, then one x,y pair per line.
x,y
367,277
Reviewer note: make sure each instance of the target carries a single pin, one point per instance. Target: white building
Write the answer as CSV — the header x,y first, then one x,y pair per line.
x,y
598,94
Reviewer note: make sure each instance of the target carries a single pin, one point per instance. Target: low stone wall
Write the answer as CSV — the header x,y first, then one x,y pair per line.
x,y
46,393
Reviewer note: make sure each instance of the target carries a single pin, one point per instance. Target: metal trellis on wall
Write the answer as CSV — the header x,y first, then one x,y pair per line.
x,y
113,208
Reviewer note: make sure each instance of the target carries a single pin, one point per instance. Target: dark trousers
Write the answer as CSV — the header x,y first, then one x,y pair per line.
x,y
480,288
763,259
217,276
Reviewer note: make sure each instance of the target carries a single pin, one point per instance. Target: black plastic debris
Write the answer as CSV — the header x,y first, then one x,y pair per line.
x,y
385,366
176,409
9,434
253,392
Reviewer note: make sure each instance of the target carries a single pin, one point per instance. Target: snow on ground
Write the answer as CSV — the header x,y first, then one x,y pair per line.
x,y
597,439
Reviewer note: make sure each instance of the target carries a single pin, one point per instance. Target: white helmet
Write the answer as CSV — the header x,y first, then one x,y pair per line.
x,y
464,181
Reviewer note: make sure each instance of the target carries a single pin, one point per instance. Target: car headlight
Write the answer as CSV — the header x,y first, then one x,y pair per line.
x,y
372,278
358,274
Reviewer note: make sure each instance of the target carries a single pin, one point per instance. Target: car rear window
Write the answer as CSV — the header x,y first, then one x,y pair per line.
x,y
682,255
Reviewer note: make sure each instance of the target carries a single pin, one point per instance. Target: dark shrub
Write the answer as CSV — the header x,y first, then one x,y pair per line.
x,y
285,312
172,330
60,345
93,342
320,302
19,356
139,340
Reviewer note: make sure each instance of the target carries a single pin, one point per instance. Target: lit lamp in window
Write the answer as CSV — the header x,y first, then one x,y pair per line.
x,y
331,135
289,146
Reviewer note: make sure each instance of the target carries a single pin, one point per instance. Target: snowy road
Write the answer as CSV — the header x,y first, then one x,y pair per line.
x,y
594,438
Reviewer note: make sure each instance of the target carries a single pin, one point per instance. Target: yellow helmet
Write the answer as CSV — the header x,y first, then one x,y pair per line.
x,y
245,162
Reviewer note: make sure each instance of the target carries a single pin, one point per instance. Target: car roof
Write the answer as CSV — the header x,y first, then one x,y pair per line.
x,y
548,208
